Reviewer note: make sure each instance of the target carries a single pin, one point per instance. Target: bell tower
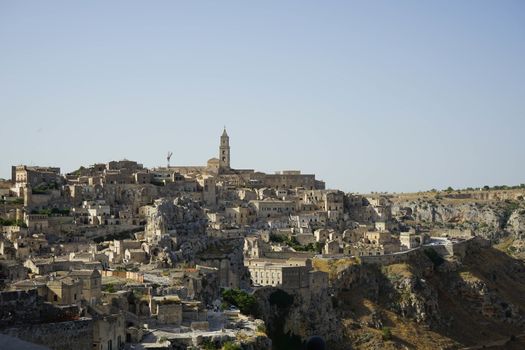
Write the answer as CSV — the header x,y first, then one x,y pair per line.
x,y
224,151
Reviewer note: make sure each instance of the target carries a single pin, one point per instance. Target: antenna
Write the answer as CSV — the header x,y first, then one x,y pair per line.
x,y
169,157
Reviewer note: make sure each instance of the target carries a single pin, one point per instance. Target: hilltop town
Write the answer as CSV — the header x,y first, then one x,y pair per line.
x,y
118,256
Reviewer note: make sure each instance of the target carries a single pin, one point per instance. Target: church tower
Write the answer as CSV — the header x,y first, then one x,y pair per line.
x,y
224,151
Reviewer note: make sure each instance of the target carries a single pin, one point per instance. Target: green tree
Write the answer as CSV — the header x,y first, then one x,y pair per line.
x,y
386,333
229,345
246,303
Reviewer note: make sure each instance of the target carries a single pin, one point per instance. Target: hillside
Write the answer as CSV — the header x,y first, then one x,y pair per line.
x,y
421,304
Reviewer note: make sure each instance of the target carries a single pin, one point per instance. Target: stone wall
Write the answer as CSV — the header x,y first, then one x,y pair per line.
x,y
389,258
135,276
292,181
169,313
18,306
458,249
450,249
76,334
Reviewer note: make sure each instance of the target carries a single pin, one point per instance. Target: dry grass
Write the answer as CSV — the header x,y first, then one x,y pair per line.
x,y
407,333
402,269
333,266
505,244
468,276
467,327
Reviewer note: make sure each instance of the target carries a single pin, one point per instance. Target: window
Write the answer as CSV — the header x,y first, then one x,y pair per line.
x,y
55,297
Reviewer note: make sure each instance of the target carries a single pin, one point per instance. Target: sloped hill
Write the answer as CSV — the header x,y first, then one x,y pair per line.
x,y
477,301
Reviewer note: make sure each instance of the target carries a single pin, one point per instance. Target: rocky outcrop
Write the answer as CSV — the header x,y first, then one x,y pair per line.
x,y
429,211
493,221
176,230
399,287
414,298
481,299
291,318
516,223
177,217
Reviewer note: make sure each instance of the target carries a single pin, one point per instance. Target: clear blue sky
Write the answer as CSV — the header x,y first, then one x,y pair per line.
x,y
369,95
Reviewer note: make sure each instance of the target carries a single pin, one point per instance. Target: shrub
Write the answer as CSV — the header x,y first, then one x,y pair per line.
x,y
163,339
208,344
229,345
386,333
261,328
109,288
277,238
246,303
8,222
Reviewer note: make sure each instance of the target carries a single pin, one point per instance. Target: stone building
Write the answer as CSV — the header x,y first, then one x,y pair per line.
x,y
329,201
409,240
331,247
109,332
290,273
255,247
309,219
241,215
64,290
36,222
322,235
22,175
168,309
226,175
91,284
135,255
224,152
209,189
292,179
269,208
12,271
118,248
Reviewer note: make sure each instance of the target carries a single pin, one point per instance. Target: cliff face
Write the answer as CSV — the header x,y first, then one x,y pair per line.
x,y
420,304
516,223
291,318
436,213
179,217
493,220
176,229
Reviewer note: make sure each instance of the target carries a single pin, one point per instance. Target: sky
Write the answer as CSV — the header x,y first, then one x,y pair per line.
x,y
368,95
